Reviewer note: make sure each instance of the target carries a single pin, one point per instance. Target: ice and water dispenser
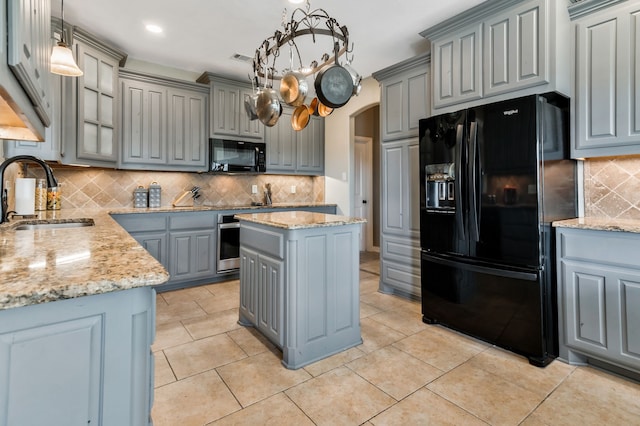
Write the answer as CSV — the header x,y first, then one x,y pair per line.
x,y
440,186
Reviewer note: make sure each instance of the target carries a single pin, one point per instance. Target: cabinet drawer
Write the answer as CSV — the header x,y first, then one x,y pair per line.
x,y
616,248
402,250
262,240
206,220
142,222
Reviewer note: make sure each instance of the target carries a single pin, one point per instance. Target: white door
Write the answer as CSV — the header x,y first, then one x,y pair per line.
x,y
363,189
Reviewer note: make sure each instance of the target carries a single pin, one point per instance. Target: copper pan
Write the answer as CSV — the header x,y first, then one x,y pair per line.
x,y
323,110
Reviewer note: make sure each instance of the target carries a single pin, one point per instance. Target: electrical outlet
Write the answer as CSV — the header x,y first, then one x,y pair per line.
x,y
254,189
293,189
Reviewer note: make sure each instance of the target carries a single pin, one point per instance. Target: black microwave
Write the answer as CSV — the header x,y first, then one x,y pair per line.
x,y
230,156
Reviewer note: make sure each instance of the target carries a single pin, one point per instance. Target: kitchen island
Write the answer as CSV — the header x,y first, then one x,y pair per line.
x,y
77,319
299,282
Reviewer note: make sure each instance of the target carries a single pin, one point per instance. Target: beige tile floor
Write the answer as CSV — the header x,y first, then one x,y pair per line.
x,y
211,371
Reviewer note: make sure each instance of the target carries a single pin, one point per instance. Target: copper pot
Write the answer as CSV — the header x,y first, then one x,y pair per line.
x,y
300,117
324,110
293,88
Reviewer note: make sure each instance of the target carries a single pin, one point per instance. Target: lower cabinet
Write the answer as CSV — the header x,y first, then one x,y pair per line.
x,y
192,254
400,237
599,295
79,361
261,301
185,242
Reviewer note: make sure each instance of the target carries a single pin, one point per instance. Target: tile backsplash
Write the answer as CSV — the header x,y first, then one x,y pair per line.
x,y
105,188
612,187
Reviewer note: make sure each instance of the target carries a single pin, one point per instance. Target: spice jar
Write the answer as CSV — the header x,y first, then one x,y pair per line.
x,y
41,194
54,200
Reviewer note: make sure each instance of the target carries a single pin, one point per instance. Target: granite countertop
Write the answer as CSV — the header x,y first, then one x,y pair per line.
x,y
45,265
169,209
600,224
298,219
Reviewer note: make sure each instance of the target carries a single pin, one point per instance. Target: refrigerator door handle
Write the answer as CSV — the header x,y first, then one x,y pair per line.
x,y
458,181
473,193
507,273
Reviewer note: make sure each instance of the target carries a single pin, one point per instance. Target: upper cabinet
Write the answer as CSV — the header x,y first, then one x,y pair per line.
x,y
228,116
404,100
97,102
295,152
30,46
606,69
25,80
457,67
164,123
501,49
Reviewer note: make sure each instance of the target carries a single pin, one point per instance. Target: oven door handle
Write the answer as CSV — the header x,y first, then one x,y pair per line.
x,y
229,225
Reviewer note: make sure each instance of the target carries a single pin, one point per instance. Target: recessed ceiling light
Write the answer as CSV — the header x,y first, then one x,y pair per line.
x,y
153,28
296,1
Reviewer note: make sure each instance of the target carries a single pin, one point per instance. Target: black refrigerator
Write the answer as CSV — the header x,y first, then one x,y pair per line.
x,y
492,180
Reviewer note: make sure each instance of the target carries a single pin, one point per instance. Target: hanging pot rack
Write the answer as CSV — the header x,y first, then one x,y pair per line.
x,y
302,23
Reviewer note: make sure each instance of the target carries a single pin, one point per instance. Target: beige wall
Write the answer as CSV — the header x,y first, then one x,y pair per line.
x,y
105,188
612,187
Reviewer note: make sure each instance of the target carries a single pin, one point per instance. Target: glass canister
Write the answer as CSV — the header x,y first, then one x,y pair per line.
x,y
140,197
41,194
54,200
155,192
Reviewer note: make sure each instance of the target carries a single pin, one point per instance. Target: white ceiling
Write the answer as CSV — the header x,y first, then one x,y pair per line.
x,y
202,35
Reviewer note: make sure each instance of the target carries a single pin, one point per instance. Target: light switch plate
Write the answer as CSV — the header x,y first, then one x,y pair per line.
x,y
293,189
254,189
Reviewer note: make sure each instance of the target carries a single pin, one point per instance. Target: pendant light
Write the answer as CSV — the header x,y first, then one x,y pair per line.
x,y
62,61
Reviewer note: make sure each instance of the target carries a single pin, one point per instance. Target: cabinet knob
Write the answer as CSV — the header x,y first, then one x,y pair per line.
x,y
364,201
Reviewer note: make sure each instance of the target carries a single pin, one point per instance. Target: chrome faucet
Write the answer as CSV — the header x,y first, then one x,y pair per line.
x,y
4,203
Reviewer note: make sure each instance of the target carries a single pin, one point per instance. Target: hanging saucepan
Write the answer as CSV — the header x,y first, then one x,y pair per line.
x,y
293,85
334,84
268,106
300,117
356,78
251,101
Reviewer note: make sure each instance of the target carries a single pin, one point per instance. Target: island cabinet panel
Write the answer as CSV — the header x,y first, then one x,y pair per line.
x,y
79,361
598,295
306,299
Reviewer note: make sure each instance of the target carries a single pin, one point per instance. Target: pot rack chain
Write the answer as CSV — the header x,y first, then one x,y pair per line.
x,y
309,23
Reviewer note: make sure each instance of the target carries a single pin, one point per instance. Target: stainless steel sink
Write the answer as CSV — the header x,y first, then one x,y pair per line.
x,y
45,224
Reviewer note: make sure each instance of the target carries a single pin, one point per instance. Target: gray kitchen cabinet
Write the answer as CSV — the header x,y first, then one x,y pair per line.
x,y
515,48
499,48
164,123
310,148
228,117
598,295
144,124
404,99
281,145
187,129
606,93
301,288
85,360
192,246
404,91
400,203
457,67
262,295
49,149
29,51
150,230
97,140
295,152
